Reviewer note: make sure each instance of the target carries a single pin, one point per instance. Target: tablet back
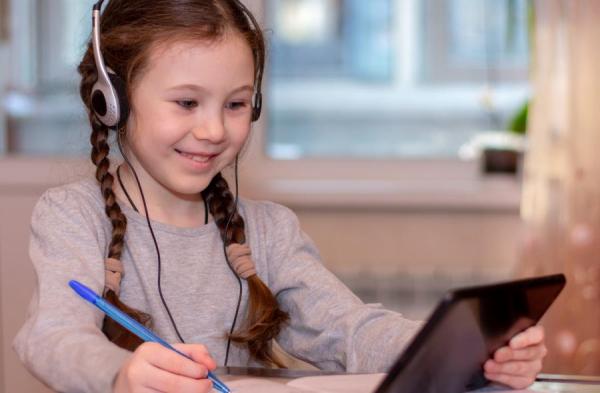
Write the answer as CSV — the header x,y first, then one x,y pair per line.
x,y
464,330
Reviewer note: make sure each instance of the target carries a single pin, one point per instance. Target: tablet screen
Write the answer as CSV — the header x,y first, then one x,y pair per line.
x,y
466,327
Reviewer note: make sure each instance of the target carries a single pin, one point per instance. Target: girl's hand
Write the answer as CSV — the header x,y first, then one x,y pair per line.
x,y
154,368
518,363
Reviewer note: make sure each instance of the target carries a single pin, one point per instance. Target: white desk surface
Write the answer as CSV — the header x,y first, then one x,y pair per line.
x,y
249,380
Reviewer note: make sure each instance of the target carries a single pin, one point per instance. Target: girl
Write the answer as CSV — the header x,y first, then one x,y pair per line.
x,y
166,241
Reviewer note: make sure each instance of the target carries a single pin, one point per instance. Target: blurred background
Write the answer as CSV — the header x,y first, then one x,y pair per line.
x,y
424,145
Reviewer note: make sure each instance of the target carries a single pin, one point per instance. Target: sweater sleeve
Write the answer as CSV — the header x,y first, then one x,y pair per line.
x,y
329,327
61,342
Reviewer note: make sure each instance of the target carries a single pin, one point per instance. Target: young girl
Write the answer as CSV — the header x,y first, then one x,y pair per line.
x,y
164,239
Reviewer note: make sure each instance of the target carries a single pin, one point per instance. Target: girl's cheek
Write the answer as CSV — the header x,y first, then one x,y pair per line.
x,y
241,143
240,136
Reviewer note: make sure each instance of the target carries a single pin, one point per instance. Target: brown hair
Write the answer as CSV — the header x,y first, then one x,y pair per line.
x,y
129,29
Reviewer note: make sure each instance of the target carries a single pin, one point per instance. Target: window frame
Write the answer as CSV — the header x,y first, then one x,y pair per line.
x,y
438,53
22,50
4,20
331,59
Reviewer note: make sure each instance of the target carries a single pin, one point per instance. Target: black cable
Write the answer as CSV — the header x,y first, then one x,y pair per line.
x,y
205,211
124,189
239,302
162,298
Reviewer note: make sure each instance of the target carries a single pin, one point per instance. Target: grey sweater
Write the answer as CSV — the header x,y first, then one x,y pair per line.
x,y
62,342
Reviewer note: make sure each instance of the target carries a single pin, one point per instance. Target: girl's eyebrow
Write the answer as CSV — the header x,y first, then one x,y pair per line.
x,y
203,89
187,87
243,88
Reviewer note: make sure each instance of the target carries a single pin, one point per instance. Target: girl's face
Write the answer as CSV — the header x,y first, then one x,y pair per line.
x,y
191,112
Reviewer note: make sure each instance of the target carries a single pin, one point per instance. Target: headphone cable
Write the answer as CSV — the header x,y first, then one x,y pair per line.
x,y
240,291
162,298
239,302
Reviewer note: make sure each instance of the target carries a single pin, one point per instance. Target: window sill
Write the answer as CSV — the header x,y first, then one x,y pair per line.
x,y
417,185
426,186
494,194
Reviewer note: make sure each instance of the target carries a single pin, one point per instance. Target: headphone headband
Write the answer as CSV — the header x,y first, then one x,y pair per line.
x,y
259,60
109,95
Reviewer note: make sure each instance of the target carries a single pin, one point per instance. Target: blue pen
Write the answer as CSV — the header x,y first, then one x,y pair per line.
x,y
133,326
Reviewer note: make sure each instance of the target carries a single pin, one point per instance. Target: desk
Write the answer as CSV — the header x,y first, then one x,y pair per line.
x,y
547,383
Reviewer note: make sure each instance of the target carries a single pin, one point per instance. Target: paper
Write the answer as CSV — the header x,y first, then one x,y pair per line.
x,y
497,389
364,383
339,383
535,388
261,385
323,384
355,383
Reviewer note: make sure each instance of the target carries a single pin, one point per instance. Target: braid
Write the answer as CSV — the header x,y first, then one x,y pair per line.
x,y
118,220
264,319
100,149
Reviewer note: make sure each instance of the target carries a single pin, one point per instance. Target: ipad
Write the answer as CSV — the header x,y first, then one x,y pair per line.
x,y
466,327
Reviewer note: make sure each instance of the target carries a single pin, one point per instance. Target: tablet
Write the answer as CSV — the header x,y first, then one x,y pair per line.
x,y
464,330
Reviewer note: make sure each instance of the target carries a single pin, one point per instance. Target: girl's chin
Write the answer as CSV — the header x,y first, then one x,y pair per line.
x,y
188,187
190,184
190,192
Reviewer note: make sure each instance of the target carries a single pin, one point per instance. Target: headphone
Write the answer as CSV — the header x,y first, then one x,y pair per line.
x,y
109,95
110,104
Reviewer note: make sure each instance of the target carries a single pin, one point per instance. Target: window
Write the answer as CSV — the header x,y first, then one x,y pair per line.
x,y
392,78
337,39
475,41
46,40
347,79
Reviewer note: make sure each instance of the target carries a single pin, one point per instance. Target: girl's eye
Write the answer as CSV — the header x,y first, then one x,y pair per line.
x,y
187,104
235,105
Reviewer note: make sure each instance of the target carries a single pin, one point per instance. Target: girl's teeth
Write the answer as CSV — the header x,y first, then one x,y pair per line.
x,y
196,158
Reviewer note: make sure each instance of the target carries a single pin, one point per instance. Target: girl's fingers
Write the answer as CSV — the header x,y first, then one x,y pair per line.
x,y
505,354
532,336
172,362
164,381
515,382
199,353
514,368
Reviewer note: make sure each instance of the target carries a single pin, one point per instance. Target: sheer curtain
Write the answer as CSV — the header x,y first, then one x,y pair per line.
x,y
561,199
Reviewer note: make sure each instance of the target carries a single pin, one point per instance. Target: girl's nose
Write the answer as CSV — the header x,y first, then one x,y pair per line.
x,y
212,128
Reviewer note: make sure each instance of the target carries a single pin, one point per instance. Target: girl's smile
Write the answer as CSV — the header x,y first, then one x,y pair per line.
x,y
197,160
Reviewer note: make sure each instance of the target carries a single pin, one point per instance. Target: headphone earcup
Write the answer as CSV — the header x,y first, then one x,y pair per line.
x,y
256,106
109,101
119,87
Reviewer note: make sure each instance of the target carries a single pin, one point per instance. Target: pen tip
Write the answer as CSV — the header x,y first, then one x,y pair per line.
x,y
83,291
